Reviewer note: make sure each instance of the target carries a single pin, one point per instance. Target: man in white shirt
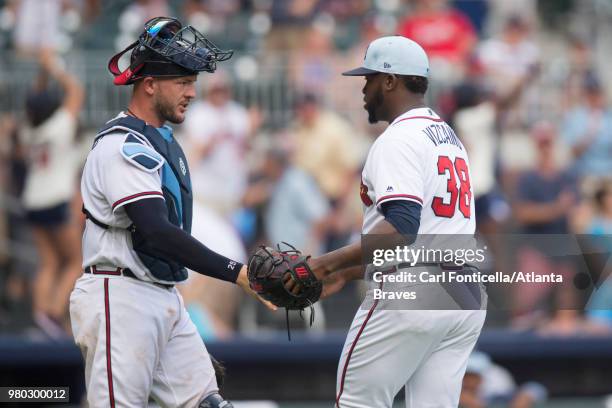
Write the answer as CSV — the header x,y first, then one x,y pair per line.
x,y
218,129
416,180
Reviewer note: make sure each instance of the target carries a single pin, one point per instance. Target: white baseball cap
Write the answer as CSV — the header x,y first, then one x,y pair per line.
x,y
393,55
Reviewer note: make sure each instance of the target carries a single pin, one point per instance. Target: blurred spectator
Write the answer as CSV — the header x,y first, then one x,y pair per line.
x,y
218,131
49,189
147,9
214,8
501,10
312,63
475,121
297,209
91,10
294,10
588,130
344,9
210,14
342,92
324,146
545,198
511,56
133,17
507,61
602,222
546,194
213,304
578,68
15,277
487,383
599,308
446,34
250,219
37,25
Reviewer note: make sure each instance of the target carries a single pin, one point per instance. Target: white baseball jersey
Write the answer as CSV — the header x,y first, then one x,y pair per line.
x,y
52,164
419,158
226,128
109,182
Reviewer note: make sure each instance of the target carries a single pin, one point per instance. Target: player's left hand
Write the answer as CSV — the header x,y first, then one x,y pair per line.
x,y
243,282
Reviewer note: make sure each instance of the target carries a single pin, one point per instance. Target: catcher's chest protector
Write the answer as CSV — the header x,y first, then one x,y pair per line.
x,y
176,188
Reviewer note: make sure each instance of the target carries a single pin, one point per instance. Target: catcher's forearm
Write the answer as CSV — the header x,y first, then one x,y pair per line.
x,y
169,241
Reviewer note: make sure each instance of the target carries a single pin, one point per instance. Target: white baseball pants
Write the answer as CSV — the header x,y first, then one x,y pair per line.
x,y
425,351
138,342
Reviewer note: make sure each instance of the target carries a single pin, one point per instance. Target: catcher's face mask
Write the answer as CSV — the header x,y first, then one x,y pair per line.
x,y
166,48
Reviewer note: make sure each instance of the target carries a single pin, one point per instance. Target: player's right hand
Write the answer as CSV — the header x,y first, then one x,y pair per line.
x,y
243,282
332,284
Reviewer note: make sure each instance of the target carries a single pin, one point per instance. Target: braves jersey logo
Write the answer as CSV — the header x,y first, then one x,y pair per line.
x,y
363,193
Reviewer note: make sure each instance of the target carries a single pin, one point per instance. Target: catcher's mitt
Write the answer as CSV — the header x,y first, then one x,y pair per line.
x,y
267,270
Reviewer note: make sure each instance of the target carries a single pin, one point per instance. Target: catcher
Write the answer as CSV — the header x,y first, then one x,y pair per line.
x,y
127,316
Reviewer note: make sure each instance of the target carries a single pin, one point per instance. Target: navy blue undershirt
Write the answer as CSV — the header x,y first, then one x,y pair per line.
x,y
404,215
150,218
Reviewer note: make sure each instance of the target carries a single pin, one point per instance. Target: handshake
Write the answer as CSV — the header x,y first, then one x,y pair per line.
x,y
283,277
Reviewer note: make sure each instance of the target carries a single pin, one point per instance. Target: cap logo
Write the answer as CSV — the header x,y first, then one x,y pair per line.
x,y
386,65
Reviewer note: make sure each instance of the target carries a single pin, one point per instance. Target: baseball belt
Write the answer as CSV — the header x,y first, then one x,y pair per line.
x,y
123,272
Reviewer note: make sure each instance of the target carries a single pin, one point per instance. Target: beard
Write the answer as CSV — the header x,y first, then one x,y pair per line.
x,y
373,105
166,111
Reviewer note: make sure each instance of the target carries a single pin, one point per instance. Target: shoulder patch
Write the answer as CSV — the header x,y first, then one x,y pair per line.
x,y
132,138
140,155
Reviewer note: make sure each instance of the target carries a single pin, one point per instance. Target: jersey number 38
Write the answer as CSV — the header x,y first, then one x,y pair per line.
x,y
461,192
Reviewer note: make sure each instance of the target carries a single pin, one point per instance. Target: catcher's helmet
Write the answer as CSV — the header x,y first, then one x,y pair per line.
x,y
166,48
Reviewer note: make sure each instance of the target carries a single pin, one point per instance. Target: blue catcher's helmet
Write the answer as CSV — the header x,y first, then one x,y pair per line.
x,y
166,48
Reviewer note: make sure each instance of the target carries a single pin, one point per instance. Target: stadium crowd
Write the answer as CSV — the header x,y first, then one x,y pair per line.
x,y
276,142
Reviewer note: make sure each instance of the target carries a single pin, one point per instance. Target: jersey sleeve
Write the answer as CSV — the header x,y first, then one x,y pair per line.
x,y
124,182
397,171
